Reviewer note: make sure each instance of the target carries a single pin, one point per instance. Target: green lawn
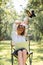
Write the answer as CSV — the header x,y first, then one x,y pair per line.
x,y
5,53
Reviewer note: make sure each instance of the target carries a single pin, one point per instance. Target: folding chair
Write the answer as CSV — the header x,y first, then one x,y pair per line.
x,y
29,55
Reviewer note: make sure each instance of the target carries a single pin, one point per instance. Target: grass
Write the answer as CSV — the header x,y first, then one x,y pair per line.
x,y
5,53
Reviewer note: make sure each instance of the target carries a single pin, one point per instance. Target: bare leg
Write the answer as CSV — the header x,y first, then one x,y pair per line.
x,y
20,58
24,56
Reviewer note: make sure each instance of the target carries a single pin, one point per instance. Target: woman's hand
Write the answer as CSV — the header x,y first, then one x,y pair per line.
x,y
17,22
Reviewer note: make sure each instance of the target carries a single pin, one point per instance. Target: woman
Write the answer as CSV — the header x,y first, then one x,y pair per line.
x,y
20,37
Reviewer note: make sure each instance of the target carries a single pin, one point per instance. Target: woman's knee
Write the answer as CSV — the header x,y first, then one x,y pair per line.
x,y
19,52
24,51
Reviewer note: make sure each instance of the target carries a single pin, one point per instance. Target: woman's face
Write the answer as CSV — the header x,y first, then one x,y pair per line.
x,y
20,29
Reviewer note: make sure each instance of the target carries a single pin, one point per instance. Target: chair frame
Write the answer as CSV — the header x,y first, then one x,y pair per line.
x,y
30,55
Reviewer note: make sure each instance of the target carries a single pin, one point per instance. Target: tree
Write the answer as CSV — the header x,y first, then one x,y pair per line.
x,y
37,22
6,18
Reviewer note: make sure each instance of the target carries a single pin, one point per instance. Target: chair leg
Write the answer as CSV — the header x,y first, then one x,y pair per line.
x,y
30,59
12,59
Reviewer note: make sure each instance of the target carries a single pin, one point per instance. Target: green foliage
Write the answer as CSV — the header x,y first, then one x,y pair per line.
x,y
39,23
6,18
8,15
36,23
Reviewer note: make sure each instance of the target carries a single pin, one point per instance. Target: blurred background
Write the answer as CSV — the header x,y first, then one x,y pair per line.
x,y
10,10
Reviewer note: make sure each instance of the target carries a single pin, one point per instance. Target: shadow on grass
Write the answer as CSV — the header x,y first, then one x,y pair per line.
x,y
39,50
5,59
9,60
40,57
